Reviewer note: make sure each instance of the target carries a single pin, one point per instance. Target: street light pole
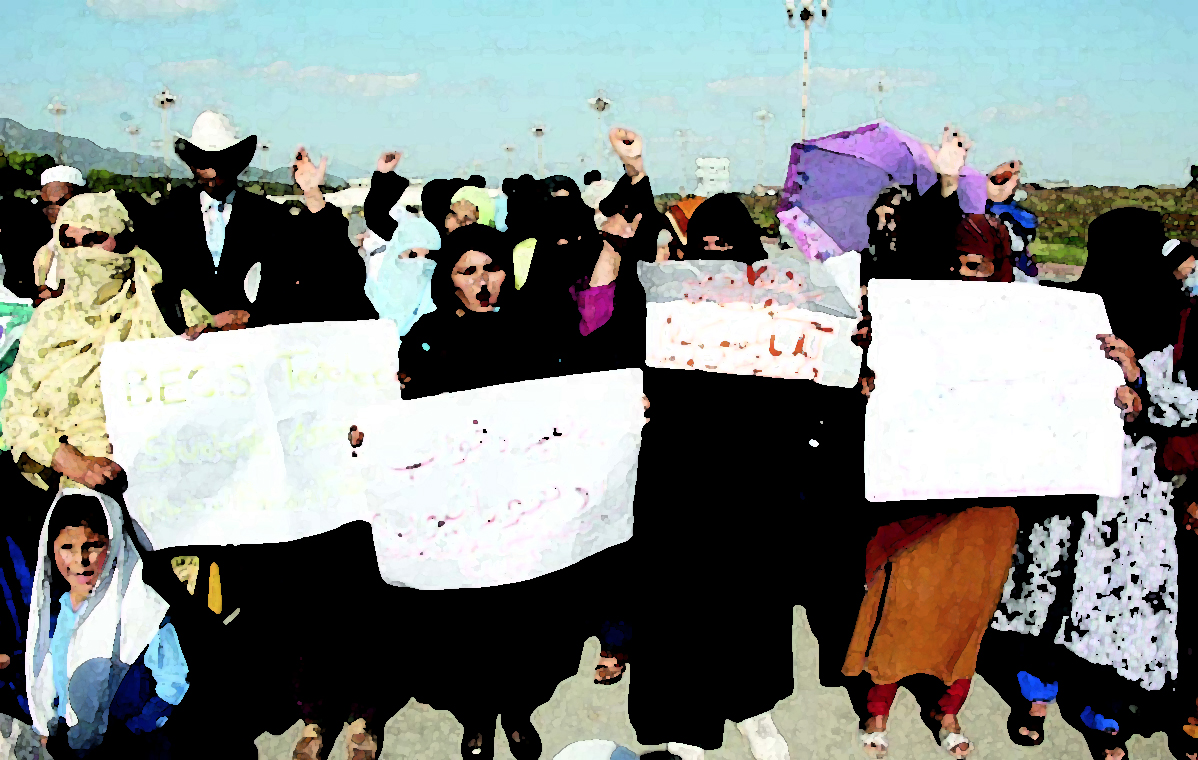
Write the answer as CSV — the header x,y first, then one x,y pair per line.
x,y
57,109
164,100
806,15
539,133
509,149
763,117
133,131
683,136
600,104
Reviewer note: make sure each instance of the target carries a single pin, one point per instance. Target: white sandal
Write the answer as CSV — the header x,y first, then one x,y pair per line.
x,y
876,737
948,740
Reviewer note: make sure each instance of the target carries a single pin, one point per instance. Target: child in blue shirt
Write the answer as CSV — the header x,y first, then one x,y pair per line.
x,y
104,663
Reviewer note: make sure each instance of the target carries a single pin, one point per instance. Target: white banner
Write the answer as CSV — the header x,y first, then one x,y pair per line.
x,y
503,484
741,338
989,390
242,438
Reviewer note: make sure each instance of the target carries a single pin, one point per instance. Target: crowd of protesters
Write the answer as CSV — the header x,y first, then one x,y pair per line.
x,y
111,652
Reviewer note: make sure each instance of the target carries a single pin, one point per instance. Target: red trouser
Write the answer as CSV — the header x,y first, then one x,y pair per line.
x,y
882,696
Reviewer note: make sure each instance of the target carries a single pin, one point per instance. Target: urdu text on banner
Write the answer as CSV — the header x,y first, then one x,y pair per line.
x,y
242,438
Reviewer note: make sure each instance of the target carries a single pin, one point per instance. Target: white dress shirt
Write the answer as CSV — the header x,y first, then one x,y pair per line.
x,y
209,211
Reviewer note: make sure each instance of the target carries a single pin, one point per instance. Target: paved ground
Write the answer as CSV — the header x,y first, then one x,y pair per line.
x,y
818,723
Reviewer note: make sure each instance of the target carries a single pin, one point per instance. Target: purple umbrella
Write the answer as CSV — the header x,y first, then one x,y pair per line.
x,y
836,179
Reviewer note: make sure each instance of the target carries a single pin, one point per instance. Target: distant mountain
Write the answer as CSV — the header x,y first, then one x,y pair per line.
x,y
85,155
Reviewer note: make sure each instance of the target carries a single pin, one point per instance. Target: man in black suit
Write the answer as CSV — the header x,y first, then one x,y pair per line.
x,y
247,259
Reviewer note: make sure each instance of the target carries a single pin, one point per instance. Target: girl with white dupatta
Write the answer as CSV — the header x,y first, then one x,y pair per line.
x,y
106,663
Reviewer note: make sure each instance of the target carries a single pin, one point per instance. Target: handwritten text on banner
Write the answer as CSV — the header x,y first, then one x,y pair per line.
x,y
241,437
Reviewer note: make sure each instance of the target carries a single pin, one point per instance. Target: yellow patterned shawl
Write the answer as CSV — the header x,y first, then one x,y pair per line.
x,y
55,385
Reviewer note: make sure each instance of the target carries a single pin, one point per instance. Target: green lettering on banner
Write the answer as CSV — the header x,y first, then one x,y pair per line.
x,y
206,394
241,377
163,384
290,368
163,457
142,382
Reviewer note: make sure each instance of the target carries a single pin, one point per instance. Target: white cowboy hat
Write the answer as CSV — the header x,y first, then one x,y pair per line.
x,y
67,174
214,134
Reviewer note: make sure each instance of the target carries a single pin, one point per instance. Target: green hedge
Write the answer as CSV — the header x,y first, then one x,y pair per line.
x,y
1065,213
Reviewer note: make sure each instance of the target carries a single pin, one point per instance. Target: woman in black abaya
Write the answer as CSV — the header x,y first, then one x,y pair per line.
x,y
730,465
468,635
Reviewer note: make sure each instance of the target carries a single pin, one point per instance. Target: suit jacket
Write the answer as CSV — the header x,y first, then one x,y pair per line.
x,y
175,237
304,257
23,230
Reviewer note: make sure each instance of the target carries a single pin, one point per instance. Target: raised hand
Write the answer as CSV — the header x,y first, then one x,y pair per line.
x,y
388,161
629,146
308,175
1003,181
954,149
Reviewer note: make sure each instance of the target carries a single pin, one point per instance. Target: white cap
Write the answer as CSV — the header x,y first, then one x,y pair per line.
x,y
590,749
1169,246
212,132
67,174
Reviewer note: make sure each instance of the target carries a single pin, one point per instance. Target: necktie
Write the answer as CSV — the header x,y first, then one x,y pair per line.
x,y
216,229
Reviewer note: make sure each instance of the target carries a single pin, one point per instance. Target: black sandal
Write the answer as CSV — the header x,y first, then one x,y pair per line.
x,y
523,741
478,744
1033,725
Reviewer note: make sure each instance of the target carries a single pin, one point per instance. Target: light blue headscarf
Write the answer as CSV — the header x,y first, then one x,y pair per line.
x,y
403,290
501,213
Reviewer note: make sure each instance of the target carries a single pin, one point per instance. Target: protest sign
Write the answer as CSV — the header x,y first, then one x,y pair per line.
x,y
241,438
989,390
503,484
783,318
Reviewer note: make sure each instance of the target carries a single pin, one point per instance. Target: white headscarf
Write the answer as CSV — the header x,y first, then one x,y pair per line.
x,y
119,620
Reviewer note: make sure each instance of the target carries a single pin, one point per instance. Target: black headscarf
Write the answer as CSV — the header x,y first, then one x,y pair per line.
x,y
1124,265
561,182
525,197
557,267
435,200
472,237
725,216
455,349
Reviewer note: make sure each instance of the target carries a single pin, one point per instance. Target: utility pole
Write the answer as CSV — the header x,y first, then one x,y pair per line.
x,y
600,103
683,136
509,149
806,15
164,100
539,133
763,118
263,150
57,109
133,131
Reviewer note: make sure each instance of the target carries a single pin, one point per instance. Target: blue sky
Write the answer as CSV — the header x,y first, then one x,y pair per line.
x,y
1090,92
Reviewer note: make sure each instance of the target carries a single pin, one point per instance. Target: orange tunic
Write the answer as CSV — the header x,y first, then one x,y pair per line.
x,y
943,592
